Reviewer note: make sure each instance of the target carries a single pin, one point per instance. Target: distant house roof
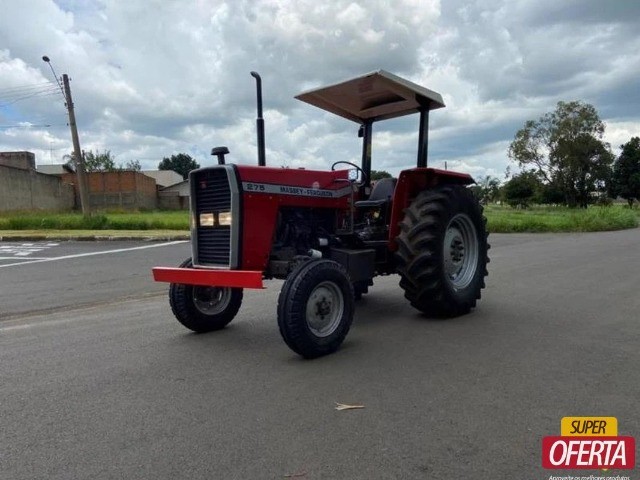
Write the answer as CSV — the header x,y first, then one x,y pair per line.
x,y
182,188
55,169
164,178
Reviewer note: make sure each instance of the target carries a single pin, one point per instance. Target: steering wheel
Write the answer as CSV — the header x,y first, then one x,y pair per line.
x,y
360,170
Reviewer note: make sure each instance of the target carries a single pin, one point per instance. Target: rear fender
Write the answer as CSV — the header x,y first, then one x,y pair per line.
x,y
410,184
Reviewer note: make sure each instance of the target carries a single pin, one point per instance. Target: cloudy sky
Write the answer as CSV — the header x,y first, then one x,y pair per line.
x,y
151,78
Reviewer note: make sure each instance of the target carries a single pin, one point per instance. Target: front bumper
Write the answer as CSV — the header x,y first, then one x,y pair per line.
x,y
210,278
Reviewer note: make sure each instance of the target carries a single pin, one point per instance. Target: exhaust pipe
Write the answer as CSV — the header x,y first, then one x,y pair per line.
x,y
260,120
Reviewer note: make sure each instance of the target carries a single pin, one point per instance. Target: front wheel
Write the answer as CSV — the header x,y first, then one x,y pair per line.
x,y
442,251
315,308
204,308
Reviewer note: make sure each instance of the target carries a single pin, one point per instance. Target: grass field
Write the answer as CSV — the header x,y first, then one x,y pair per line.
x,y
174,220
504,219
501,219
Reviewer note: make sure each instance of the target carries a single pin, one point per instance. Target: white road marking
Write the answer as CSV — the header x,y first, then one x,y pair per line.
x,y
90,254
46,323
44,319
25,249
26,259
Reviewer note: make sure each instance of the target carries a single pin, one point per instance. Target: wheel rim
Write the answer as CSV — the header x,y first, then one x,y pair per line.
x,y
325,308
460,251
211,300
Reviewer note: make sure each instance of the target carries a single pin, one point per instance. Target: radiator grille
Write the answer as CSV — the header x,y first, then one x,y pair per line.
x,y
212,195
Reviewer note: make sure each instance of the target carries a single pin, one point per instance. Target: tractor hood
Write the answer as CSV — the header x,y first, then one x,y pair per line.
x,y
375,96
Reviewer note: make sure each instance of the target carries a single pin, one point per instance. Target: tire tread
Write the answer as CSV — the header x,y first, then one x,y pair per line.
x,y
419,253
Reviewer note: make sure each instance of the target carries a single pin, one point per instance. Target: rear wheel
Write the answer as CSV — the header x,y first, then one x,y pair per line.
x,y
442,251
315,308
204,308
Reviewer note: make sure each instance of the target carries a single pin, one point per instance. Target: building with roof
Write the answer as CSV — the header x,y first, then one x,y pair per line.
x,y
24,188
163,178
175,197
55,169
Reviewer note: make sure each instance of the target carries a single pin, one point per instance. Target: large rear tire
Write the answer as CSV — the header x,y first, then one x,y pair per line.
x,y
204,308
315,308
442,251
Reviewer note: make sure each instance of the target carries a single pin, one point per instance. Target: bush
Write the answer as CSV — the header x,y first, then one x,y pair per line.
x,y
521,189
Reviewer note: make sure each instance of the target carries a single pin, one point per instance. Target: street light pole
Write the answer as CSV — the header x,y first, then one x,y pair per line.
x,y
77,153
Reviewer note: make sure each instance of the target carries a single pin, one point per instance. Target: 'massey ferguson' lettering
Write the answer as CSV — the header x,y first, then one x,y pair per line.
x,y
310,192
588,452
318,193
292,190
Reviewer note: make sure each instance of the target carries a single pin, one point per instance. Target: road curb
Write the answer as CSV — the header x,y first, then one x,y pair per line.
x,y
92,238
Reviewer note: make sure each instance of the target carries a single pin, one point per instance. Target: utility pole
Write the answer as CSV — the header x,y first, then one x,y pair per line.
x,y
77,153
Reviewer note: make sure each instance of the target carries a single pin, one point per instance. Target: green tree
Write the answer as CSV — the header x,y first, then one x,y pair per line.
x,y
132,165
550,194
99,162
566,149
522,189
486,189
102,162
379,174
180,163
626,172
93,162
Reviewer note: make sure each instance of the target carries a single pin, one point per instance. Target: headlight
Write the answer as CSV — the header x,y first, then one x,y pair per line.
x,y
224,219
218,219
206,220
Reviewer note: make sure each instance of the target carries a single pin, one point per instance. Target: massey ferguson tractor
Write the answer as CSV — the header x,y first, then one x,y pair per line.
x,y
327,234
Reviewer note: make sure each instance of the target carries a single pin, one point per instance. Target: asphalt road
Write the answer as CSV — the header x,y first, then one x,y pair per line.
x,y
47,276
118,389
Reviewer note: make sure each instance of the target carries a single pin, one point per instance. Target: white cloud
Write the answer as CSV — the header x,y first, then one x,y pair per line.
x,y
153,78
620,132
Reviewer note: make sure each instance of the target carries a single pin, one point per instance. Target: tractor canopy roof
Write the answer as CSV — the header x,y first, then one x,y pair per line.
x,y
375,96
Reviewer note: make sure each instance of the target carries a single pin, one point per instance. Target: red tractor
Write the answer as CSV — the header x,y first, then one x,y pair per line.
x,y
328,234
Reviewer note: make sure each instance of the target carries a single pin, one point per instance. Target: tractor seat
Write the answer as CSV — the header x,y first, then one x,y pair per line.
x,y
381,193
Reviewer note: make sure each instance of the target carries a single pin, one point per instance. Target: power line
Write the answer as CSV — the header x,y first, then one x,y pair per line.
x,y
24,90
25,126
20,91
6,101
11,95
26,87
